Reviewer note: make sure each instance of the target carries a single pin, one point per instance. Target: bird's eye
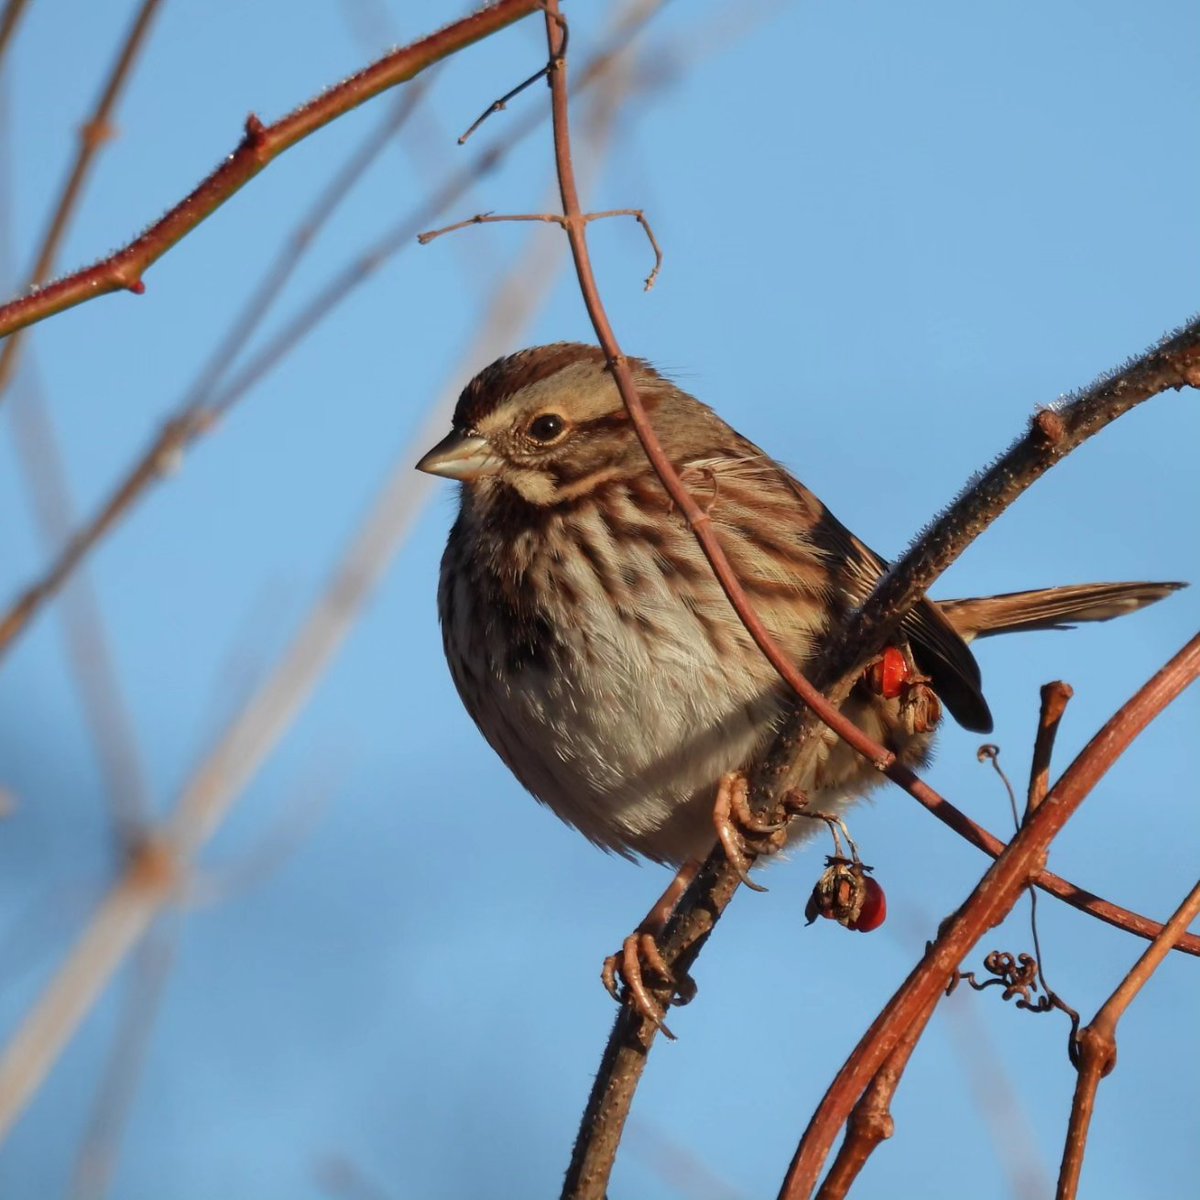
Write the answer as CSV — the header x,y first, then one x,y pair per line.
x,y
546,427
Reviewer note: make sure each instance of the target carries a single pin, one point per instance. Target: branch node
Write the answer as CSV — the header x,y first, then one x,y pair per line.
x,y
93,134
1050,427
255,134
1188,364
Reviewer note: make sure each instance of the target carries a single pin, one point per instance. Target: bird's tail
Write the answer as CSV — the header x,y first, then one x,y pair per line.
x,y
1050,608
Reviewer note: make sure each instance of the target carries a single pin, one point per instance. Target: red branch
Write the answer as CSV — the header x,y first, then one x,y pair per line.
x,y
1097,1043
260,145
987,905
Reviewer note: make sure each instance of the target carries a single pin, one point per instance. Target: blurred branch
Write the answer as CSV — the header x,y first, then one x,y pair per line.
x,y
88,650
260,145
160,866
89,655
988,904
93,133
145,989
200,411
997,1097
1096,1045
260,302
14,10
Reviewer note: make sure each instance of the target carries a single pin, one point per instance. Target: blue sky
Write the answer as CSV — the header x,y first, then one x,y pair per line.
x,y
890,234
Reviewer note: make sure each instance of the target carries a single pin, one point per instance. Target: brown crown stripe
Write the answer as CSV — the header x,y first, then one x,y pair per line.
x,y
506,377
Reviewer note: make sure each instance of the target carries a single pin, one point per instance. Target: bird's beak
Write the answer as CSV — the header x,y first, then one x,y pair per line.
x,y
461,456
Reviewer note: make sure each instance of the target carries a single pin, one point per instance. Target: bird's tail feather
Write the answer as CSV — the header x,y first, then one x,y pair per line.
x,y
1050,608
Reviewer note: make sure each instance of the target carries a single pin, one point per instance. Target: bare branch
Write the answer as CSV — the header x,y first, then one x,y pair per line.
x,y
871,1120
258,147
1055,697
990,901
14,10
1097,1043
499,105
556,219
199,412
92,135
145,990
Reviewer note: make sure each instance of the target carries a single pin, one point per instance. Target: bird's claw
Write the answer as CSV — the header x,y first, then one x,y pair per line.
x,y
738,829
624,974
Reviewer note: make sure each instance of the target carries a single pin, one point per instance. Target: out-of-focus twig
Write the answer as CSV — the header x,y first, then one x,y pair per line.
x,y
1096,1046
14,10
92,135
260,302
40,458
201,413
260,144
89,653
145,989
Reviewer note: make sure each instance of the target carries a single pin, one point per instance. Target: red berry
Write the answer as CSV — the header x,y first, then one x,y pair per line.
x,y
874,907
893,673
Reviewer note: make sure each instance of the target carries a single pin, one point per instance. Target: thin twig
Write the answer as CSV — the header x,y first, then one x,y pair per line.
x,y
92,135
988,903
557,219
260,145
199,413
1055,697
1097,1043
541,73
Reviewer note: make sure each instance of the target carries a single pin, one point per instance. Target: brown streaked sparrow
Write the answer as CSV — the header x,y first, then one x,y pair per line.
x,y
595,650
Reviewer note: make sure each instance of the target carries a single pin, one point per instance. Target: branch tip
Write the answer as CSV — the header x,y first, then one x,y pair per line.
x,y
255,130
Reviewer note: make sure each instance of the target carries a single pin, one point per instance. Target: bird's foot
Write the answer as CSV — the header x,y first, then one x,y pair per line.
x,y
739,830
639,961
629,972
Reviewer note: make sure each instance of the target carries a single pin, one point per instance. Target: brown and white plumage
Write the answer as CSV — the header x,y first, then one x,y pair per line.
x,y
589,640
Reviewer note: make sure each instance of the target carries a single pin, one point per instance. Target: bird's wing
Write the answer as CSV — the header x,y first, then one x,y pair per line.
x,y
760,483
937,648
